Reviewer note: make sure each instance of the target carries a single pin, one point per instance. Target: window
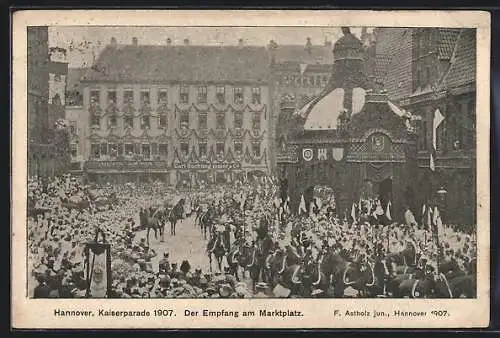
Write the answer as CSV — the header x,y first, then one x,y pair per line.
x,y
256,95
129,149
238,120
325,81
427,76
128,121
219,148
202,121
220,93
95,97
238,95
304,82
423,136
73,127
95,120
311,81
202,94
145,100
184,148
318,81
104,149
221,121
146,151
74,150
184,94
162,97
256,121
184,120
163,150
113,150
111,97
120,149
128,96
238,147
162,121
256,149
202,149
145,122
95,150
112,121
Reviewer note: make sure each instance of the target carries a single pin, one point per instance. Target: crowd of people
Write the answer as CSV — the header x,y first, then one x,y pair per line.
x,y
59,226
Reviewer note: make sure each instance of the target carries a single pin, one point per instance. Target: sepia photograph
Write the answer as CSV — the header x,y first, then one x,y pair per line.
x,y
335,161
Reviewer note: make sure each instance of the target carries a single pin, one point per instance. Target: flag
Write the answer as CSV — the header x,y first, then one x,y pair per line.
x,y
436,220
302,205
379,210
437,120
429,219
353,212
388,211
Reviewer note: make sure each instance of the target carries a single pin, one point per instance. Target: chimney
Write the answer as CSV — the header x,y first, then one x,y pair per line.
x,y
169,41
113,42
134,41
186,42
240,42
308,45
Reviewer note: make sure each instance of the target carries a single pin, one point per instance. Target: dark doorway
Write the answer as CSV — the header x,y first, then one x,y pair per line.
x,y
385,192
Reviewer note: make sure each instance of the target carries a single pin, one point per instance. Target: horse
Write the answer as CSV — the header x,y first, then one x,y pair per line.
x,y
218,248
175,214
155,221
206,221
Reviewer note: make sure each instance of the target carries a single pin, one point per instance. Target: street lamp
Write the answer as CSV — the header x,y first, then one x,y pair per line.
x,y
442,201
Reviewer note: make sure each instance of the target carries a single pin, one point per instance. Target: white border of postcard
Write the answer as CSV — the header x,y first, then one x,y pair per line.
x,y
316,313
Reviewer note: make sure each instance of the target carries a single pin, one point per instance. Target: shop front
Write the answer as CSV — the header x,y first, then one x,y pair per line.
x,y
119,172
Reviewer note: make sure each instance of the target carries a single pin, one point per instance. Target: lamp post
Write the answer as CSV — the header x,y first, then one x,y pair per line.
x,y
442,203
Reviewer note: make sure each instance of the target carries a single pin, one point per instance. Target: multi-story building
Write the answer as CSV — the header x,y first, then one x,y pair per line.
x,y
416,72
426,69
179,113
47,70
77,119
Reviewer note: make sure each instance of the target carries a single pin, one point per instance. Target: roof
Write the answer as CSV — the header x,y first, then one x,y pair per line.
x,y
300,54
396,57
74,77
447,40
325,112
462,69
136,63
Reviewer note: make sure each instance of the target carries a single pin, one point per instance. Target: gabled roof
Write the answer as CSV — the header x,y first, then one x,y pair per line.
x,y
462,69
447,41
135,63
395,58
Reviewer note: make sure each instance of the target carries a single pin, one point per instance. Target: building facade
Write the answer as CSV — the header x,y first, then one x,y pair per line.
x,y
186,115
435,69
47,69
370,132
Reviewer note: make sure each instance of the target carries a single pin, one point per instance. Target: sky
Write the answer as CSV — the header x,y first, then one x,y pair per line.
x,y
90,40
